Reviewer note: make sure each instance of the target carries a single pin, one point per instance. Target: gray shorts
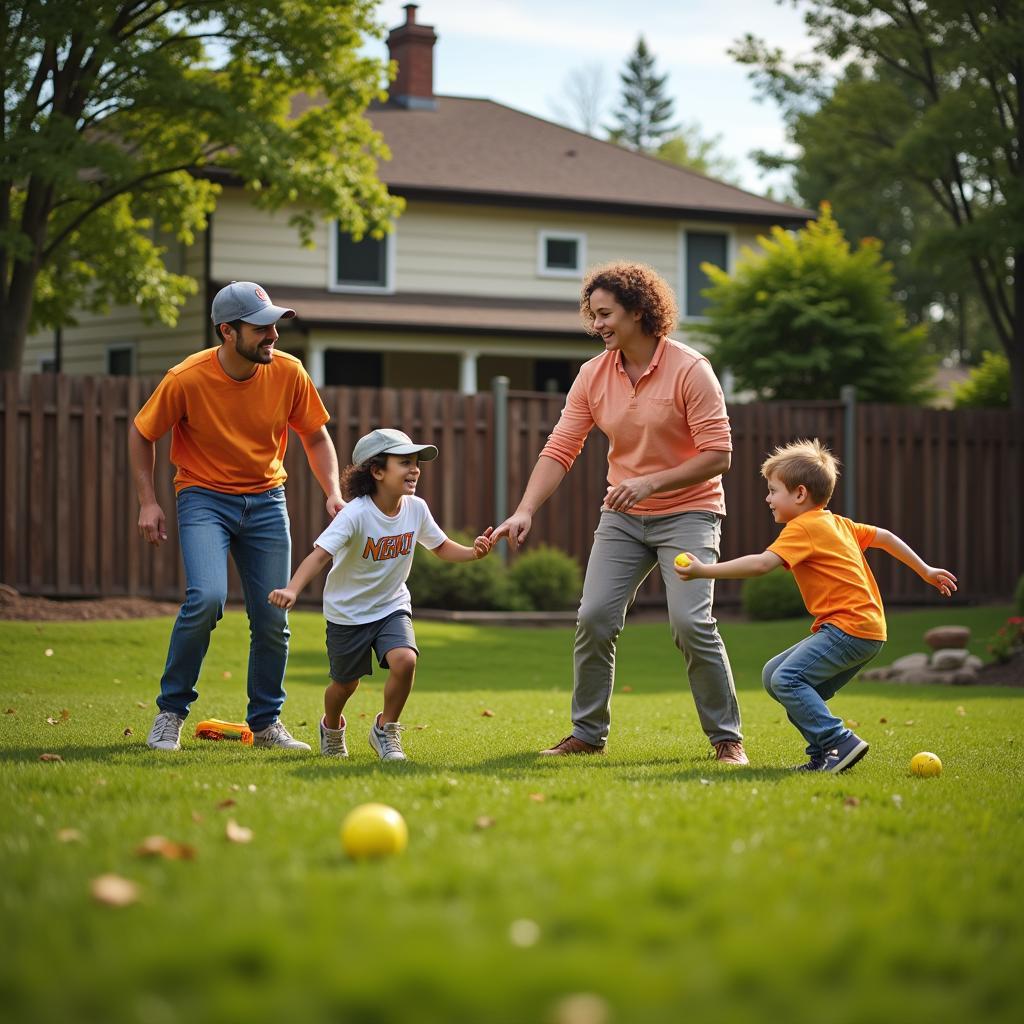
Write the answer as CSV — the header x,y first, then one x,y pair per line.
x,y
348,647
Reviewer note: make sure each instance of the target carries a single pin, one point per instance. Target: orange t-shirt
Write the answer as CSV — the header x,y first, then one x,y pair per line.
x,y
676,410
825,553
231,435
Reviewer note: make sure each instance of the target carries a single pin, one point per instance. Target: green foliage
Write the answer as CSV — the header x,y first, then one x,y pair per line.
x,y
690,148
772,596
482,585
644,112
988,385
120,119
807,314
921,876
549,579
925,119
1008,640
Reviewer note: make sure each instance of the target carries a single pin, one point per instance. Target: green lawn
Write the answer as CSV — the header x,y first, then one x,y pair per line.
x,y
669,888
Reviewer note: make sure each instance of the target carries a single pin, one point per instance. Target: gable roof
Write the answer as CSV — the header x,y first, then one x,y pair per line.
x,y
476,150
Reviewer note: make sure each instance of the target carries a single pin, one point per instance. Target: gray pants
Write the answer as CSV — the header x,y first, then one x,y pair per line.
x,y
626,549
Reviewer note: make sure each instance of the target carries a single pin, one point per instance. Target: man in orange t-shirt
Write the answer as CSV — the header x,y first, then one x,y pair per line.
x,y
229,410
825,553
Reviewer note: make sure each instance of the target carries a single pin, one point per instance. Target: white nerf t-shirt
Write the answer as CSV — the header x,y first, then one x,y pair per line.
x,y
372,558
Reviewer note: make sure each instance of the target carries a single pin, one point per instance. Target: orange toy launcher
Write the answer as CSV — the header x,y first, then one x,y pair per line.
x,y
215,729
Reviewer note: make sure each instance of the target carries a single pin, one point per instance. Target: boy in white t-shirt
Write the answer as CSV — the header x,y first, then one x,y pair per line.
x,y
366,602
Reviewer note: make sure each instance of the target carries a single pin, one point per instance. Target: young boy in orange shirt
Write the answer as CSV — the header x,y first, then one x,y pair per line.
x,y
825,553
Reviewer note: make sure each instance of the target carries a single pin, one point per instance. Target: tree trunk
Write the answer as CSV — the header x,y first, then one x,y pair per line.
x,y
15,310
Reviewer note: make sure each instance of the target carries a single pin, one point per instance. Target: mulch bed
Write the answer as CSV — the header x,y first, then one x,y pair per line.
x,y
15,606
1006,673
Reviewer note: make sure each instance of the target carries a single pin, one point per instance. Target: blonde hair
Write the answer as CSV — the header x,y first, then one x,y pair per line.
x,y
806,462
638,289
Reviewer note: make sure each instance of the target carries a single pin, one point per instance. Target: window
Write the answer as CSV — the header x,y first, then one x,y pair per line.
x,y
346,368
560,254
120,360
554,375
366,265
701,248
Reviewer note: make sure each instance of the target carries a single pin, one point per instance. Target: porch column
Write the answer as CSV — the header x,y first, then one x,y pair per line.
x,y
315,362
467,372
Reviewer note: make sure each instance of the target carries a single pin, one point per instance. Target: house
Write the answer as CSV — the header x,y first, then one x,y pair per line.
x,y
481,274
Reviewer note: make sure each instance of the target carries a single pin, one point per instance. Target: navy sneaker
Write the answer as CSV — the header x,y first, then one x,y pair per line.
x,y
815,764
846,754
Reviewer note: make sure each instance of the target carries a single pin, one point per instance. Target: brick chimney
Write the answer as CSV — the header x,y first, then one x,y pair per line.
x,y
411,46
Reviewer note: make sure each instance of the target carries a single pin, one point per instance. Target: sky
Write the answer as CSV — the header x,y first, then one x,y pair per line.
x,y
519,52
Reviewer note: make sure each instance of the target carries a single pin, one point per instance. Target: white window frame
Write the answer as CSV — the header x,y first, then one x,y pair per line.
x,y
122,346
333,285
730,257
544,236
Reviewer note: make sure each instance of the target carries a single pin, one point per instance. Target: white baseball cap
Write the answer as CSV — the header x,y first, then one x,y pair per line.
x,y
387,441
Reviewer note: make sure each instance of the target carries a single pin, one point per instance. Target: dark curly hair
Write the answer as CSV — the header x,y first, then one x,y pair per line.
x,y
637,288
358,480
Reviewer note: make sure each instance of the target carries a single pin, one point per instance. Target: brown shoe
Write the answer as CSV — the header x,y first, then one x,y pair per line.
x,y
571,745
730,752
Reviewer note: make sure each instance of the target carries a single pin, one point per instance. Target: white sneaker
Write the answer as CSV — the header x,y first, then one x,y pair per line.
x,y
386,740
166,732
332,741
277,735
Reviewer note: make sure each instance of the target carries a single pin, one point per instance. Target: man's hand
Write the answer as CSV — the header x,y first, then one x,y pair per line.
x,y
627,494
335,503
152,524
482,545
516,529
283,598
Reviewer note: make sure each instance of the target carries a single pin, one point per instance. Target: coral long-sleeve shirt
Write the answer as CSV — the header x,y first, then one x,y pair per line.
x,y
674,412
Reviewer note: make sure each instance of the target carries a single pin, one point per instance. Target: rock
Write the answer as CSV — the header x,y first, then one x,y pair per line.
x,y
8,594
948,659
947,636
973,661
910,661
876,673
965,677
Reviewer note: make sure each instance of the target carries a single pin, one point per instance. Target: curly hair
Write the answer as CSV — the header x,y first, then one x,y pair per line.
x,y
806,462
637,288
358,480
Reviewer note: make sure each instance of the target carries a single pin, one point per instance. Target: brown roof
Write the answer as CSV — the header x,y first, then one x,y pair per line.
x,y
478,150
449,314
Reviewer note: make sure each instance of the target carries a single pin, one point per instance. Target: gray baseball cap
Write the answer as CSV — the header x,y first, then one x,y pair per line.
x,y
246,300
386,441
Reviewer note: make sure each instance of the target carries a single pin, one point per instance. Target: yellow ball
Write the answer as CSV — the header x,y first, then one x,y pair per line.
x,y
682,560
373,830
925,764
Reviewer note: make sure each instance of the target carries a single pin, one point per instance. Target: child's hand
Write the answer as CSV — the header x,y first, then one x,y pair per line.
x,y
482,545
283,598
943,581
693,571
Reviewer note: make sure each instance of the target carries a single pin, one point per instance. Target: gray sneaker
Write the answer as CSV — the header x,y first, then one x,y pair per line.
x,y
277,735
166,732
332,741
387,741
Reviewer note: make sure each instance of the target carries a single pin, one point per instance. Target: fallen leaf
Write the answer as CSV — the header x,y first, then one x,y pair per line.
x,y
251,787
48,652
883,720
235,787
10,711
140,704
487,713
961,710
421,726
114,891
50,757
161,846
69,835
897,799
484,821
705,782
128,732
197,817
225,804
851,801
909,721
538,798
851,724
301,725
237,833
225,674
627,689
51,720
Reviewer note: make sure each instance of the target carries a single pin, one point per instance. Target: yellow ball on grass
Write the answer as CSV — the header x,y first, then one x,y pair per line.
x,y
926,764
373,830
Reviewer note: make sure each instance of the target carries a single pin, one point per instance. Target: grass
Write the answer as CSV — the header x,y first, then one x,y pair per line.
x,y
666,886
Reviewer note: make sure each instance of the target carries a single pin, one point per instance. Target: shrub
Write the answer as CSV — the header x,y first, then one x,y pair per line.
x,y
549,579
773,596
482,585
987,386
1009,640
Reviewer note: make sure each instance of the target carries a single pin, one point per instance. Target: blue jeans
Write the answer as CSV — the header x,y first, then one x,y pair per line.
x,y
254,529
811,672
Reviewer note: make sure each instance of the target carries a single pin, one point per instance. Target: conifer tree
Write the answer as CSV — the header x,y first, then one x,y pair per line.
x,y
644,114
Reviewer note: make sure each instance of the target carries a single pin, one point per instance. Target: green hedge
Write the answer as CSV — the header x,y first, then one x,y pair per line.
x,y
549,579
773,596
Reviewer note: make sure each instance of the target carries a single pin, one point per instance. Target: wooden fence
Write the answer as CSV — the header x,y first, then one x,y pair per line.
x,y
951,483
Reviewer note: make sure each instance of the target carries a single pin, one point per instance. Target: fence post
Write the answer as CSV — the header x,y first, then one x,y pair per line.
x,y
848,396
500,388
